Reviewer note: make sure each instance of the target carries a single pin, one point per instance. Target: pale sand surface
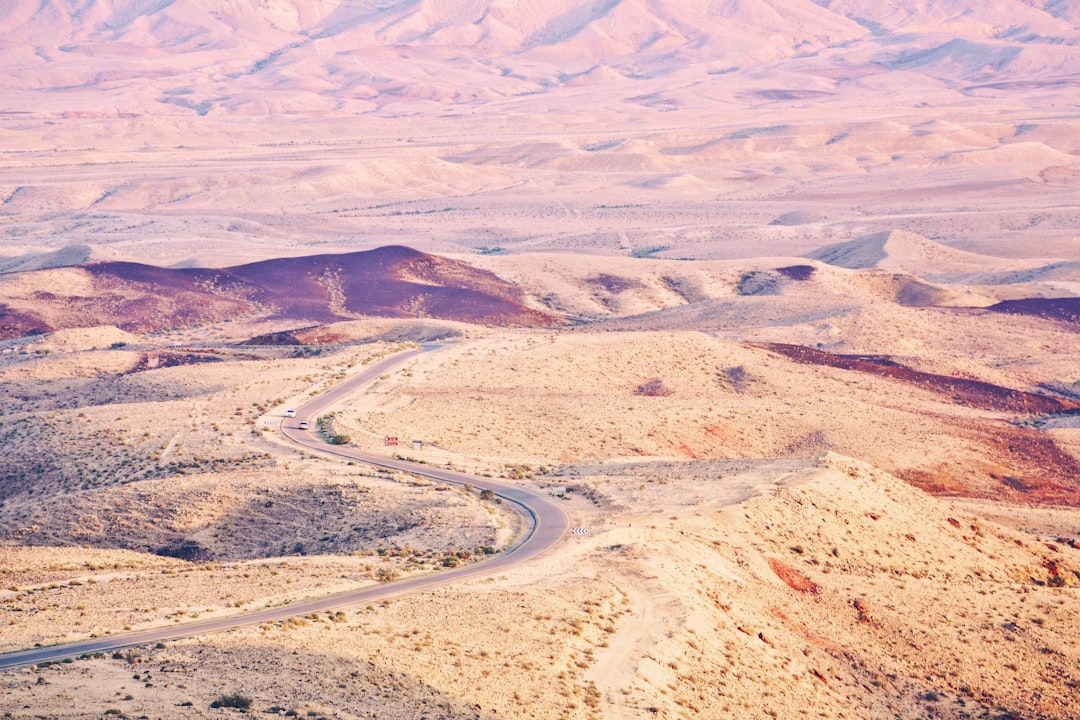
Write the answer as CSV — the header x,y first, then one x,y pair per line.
x,y
696,184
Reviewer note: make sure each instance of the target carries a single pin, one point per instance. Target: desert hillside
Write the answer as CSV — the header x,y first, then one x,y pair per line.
x,y
541,400
735,559
753,588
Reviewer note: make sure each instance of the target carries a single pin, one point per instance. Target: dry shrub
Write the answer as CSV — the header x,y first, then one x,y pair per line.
x,y
653,388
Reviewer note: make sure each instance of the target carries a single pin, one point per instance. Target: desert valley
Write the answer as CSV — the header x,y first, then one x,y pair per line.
x,y
777,303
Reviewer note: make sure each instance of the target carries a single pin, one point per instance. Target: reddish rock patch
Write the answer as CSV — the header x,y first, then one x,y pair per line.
x,y
863,610
963,391
793,578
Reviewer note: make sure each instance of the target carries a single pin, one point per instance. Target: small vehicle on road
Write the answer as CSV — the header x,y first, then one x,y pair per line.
x,y
303,424
290,413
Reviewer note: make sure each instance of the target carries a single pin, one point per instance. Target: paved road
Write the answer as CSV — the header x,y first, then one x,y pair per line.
x,y
544,524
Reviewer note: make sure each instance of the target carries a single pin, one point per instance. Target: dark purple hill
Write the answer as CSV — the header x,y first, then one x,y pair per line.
x,y
392,281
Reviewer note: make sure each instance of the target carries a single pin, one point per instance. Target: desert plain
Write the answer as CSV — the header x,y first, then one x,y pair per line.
x,y
779,301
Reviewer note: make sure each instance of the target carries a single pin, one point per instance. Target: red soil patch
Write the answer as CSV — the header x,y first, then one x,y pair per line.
x,y
687,451
720,432
1066,310
16,323
1038,470
936,483
793,578
963,391
1024,466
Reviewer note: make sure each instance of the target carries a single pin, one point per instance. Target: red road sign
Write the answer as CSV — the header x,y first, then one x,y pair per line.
x,y
390,440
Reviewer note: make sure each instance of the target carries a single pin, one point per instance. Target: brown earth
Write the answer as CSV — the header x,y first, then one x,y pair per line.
x,y
1067,310
542,399
965,391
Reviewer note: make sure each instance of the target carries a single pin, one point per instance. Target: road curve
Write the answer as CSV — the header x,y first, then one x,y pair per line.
x,y
544,525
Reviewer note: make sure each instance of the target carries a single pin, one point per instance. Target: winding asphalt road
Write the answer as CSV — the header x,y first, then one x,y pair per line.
x,y
543,525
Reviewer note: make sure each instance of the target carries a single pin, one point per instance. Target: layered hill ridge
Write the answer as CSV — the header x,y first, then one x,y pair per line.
x,y
392,281
903,251
312,56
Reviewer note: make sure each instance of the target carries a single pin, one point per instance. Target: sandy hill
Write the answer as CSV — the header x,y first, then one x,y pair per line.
x,y
908,252
730,295
389,282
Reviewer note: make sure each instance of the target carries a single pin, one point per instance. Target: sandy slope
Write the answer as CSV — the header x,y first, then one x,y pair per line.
x,y
711,582
547,398
838,591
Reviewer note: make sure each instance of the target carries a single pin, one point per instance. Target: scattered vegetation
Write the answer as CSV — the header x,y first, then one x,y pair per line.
x,y
235,700
654,388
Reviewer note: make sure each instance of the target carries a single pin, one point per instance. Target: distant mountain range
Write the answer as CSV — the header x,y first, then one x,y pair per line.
x,y
312,56
387,282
